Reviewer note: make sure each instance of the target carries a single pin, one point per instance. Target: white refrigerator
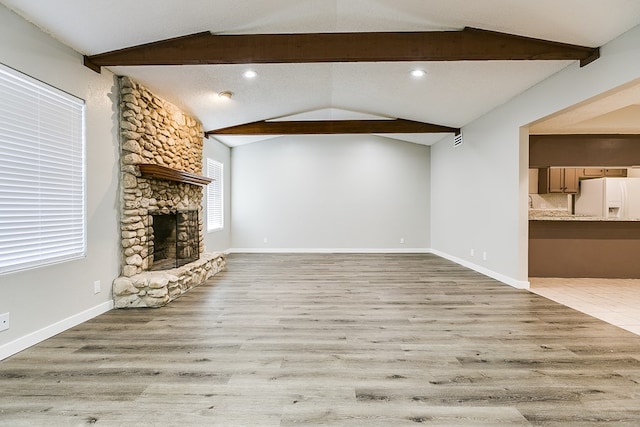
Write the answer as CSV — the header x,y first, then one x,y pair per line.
x,y
609,198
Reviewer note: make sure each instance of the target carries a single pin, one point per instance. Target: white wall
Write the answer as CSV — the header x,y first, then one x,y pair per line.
x,y
47,300
479,190
330,192
219,240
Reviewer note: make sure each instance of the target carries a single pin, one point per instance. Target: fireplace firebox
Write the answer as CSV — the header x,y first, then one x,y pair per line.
x,y
173,239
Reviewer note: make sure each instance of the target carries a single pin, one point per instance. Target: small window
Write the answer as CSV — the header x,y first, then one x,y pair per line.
x,y
215,208
42,174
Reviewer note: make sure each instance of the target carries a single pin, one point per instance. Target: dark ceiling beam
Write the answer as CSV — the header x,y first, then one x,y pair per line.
x,y
327,127
469,44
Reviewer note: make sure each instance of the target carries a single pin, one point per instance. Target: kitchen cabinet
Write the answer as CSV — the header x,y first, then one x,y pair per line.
x,y
619,173
558,180
602,172
591,173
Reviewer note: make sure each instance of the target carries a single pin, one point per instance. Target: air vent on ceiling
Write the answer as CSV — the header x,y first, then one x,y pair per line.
x,y
457,140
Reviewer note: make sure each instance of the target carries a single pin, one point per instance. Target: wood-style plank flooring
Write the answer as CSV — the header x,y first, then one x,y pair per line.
x,y
332,340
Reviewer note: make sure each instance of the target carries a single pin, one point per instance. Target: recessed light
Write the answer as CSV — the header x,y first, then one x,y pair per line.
x,y
225,95
249,74
418,73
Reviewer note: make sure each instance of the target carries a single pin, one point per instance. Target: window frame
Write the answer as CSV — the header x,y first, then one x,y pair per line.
x,y
43,174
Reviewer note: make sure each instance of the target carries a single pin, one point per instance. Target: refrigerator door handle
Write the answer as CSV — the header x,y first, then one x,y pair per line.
x,y
623,194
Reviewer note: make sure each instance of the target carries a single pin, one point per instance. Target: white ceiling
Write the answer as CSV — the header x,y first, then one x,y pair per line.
x,y
451,94
614,112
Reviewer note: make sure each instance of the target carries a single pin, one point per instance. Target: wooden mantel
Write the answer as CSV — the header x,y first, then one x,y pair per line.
x,y
163,172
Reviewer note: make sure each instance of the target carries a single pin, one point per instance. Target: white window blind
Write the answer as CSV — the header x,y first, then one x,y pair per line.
x,y
215,211
42,194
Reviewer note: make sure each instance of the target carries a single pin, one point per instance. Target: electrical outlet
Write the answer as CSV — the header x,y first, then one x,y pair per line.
x,y
402,240
484,256
96,287
4,321
265,240
472,252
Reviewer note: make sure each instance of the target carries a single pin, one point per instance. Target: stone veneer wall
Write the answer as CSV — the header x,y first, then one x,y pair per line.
x,y
155,131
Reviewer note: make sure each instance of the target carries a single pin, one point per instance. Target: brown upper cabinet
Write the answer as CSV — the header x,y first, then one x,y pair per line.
x,y
599,173
558,180
620,173
591,173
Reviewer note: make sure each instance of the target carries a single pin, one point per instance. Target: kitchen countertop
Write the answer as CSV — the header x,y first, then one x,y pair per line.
x,y
556,215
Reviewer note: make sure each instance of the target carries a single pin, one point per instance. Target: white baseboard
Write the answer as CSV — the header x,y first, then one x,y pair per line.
x,y
33,338
519,284
329,250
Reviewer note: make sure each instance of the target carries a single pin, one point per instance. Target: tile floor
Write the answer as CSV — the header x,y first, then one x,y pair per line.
x,y
616,301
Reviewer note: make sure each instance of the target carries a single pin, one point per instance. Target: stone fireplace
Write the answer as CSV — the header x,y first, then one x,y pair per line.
x,y
161,202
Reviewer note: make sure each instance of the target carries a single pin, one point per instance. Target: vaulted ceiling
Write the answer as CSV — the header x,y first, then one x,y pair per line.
x,y
450,94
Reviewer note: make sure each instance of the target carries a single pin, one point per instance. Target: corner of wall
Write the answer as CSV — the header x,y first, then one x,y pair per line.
x,y
518,284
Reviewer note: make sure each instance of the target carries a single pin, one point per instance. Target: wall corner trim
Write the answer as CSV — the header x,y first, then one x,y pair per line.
x,y
518,284
36,337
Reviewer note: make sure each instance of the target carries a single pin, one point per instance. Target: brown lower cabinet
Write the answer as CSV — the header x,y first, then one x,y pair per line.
x,y
598,249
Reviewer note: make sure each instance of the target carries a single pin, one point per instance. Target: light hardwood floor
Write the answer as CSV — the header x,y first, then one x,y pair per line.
x,y
333,340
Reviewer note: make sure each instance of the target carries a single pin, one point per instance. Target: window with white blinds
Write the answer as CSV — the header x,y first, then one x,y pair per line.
x,y
42,189
215,208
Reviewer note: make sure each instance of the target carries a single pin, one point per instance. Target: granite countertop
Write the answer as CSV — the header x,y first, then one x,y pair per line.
x,y
558,215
